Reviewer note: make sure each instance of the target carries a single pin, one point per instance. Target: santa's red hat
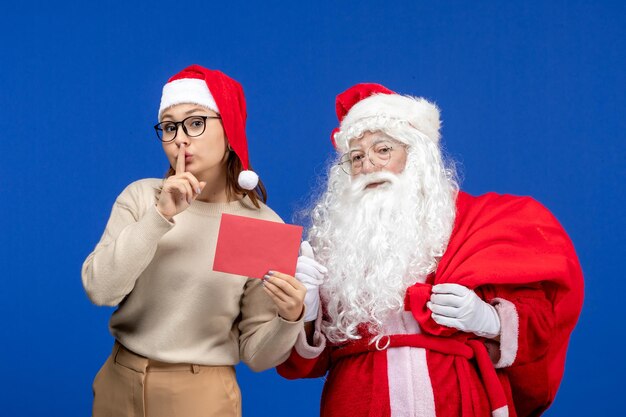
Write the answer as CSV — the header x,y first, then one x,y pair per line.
x,y
220,93
370,107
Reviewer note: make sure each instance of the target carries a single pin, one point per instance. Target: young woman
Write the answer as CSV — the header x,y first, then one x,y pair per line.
x,y
180,327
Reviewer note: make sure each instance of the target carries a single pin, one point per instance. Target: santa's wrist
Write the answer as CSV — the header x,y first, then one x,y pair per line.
x,y
492,326
311,312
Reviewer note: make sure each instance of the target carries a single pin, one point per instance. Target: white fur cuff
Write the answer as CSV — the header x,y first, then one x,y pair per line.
x,y
307,351
504,355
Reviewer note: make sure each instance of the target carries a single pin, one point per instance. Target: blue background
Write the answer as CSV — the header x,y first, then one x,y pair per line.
x,y
532,97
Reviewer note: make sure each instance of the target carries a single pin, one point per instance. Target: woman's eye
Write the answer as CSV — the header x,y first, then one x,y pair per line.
x,y
197,123
170,127
384,150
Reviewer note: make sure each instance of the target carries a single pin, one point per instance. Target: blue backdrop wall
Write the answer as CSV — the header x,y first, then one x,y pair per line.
x,y
532,97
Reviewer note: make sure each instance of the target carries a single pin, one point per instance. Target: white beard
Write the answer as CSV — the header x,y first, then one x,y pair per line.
x,y
377,242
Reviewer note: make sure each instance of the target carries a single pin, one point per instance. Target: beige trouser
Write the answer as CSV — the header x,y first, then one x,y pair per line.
x,y
129,385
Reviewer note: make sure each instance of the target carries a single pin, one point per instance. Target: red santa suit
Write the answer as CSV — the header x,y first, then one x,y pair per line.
x,y
515,255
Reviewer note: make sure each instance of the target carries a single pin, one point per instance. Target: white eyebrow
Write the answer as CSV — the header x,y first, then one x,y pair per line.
x,y
376,140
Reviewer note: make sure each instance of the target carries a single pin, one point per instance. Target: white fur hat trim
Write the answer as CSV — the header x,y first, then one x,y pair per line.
x,y
187,90
381,110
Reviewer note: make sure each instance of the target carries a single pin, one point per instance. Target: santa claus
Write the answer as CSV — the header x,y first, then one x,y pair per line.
x,y
433,302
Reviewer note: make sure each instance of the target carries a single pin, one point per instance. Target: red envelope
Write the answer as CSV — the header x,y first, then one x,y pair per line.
x,y
251,247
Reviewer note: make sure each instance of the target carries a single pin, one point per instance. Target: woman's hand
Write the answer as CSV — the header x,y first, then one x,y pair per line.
x,y
179,190
287,293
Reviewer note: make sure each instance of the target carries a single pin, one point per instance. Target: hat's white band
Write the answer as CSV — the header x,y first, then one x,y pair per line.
x,y
388,112
187,90
375,123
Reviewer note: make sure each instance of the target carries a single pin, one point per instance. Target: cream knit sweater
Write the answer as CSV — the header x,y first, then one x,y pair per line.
x,y
172,306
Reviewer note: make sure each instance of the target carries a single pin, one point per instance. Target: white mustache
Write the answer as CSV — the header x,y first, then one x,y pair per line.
x,y
362,181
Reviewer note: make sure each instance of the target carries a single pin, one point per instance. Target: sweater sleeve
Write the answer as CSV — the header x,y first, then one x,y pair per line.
x,y
125,249
527,324
265,338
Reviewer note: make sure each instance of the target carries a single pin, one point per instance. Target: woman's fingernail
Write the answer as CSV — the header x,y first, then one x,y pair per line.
x,y
198,190
265,277
270,272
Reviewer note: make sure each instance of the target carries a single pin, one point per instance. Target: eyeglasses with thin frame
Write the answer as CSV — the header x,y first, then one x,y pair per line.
x,y
193,126
379,155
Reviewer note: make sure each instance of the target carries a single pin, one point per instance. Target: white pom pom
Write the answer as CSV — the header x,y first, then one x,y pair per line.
x,y
248,180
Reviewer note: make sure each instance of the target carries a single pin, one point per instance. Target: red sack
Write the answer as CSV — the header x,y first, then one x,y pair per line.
x,y
503,239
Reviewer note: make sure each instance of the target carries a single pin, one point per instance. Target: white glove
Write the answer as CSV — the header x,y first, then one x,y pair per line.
x,y
456,306
310,273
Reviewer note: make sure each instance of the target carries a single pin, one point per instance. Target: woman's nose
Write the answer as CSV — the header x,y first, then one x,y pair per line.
x,y
181,136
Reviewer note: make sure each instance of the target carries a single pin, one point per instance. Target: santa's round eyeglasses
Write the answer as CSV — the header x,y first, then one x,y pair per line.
x,y
379,155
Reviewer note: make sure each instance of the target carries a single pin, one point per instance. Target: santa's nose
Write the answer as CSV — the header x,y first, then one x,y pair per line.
x,y
369,167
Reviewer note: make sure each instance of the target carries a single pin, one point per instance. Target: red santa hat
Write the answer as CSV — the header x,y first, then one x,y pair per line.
x,y
370,107
220,93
